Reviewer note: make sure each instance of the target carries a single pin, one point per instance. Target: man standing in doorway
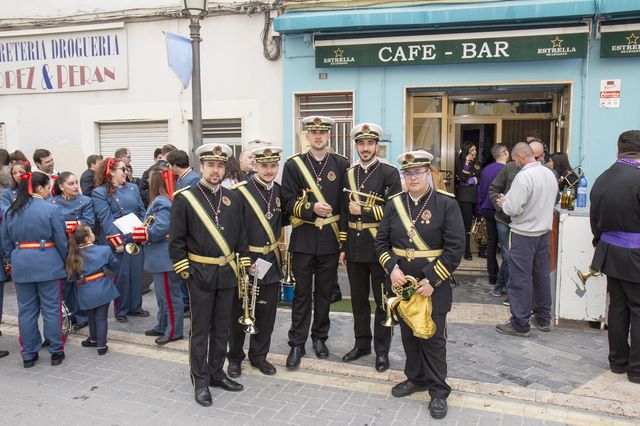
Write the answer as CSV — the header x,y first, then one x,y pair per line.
x,y
529,203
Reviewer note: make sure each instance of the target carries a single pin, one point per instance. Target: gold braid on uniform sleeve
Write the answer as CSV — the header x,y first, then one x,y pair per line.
x,y
181,267
441,271
343,236
384,258
245,261
378,213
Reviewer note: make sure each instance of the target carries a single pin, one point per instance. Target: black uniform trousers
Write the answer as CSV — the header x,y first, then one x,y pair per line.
x,y
492,247
468,211
426,359
266,308
362,276
315,279
624,317
210,321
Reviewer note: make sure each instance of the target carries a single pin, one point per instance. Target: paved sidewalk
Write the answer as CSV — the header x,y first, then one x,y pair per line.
x,y
137,385
567,366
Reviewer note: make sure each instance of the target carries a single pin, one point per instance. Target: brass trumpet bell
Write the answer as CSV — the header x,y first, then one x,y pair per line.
x,y
132,248
249,324
584,277
363,199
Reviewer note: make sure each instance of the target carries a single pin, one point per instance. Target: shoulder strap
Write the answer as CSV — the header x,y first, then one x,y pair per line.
x,y
260,215
314,188
215,233
404,218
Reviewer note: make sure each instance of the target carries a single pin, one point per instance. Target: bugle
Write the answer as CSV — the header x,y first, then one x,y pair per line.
x,y
247,319
134,248
364,199
584,277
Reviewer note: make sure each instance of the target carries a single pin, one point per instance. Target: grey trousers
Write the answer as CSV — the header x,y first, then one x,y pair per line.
x,y
529,288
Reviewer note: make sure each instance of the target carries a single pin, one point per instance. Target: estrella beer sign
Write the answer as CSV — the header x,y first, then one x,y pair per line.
x,y
68,61
620,41
457,48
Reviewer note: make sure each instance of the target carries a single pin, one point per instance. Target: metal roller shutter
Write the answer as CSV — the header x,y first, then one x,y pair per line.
x,y
141,137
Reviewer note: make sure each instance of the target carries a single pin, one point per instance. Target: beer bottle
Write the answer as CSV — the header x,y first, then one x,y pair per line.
x,y
571,199
563,199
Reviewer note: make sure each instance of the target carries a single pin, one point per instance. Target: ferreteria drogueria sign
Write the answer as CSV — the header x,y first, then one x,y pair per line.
x,y
620,41
67,59
457,48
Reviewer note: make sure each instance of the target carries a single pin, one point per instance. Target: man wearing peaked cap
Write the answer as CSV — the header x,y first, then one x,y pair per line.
x,y
370,184
422,236
263,218
312,194
206,239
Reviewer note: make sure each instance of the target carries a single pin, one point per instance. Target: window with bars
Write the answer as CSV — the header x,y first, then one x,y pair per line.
x,y
225,130
338,106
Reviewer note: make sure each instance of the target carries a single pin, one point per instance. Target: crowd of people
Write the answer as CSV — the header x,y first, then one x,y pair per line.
x,y
207,238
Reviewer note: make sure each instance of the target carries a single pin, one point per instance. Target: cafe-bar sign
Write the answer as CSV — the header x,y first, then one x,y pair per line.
x,y
620,41
457,48
64,60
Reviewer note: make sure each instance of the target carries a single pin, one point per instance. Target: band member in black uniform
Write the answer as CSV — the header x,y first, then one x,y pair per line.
x,y
422,235
316,236
378,181
615,223
263,220
205,236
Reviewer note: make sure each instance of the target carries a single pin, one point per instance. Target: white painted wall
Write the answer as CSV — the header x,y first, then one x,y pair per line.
x,y
237,81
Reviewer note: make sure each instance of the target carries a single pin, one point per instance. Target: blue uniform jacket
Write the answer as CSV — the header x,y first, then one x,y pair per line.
x,y
39,221
123,201
95,293
189,180
156,251
79,208
8,196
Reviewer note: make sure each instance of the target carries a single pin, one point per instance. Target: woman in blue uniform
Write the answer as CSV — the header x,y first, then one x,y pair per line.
x,y
166,282
76,209
9,195
35,242
94,290
114,198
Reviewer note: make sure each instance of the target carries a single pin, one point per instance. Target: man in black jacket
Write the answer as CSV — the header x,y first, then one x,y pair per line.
x,y
87,179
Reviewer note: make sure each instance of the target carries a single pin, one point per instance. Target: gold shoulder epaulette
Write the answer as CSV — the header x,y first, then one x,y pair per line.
x,y
395,195
443,192
239,184
294,155
181,190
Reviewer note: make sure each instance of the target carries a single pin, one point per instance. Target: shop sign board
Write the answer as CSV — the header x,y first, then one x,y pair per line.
x,y
64,60
620,41
458,48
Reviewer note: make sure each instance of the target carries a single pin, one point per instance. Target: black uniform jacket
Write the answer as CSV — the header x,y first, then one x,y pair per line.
x,y
445,231
615,206
188,234
382,180
308,238
256,234
465,193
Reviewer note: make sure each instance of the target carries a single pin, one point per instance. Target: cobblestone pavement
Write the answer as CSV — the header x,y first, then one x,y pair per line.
x,y
136,385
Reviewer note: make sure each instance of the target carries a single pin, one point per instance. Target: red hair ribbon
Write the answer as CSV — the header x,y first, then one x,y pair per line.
x,y
71,227
28,177
169,178
110,164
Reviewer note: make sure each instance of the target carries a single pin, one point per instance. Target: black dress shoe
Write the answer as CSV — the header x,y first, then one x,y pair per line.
x,y
141,313
45,343
227,384
633,378
293,360
406,388
122,318
56,358
203,397
163,340
382,363
80,326
153,332
468,257
617,370
336,297
102,351
438,408
88,343
354,354
265,367
30,363
321,349
234,369
3,354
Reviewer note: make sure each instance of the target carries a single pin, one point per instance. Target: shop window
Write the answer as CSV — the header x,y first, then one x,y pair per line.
x,y
225,130
141,137
338,106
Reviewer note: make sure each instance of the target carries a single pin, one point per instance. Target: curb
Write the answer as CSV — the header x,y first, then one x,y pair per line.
x,y
580,402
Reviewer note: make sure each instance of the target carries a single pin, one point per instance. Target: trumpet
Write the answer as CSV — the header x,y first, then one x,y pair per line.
x,y
248,318
584,277
370,199
288,276
134,248
387,304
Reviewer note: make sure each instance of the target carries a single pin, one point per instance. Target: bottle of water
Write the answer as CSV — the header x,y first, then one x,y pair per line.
x,y
581,200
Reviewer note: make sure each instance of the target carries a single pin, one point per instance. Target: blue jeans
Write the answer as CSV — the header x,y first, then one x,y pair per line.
x,y
502,282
